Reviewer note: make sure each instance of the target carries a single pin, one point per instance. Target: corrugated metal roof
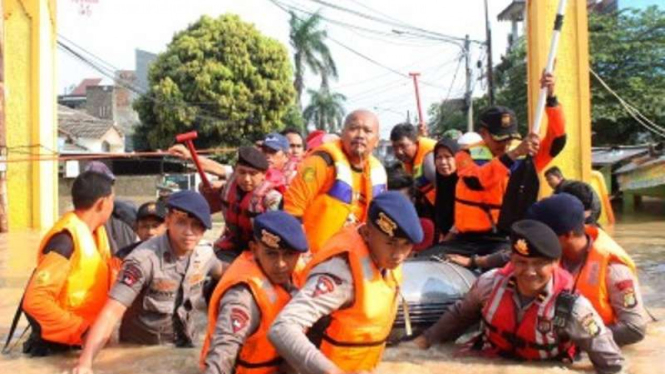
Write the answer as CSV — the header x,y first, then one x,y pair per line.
x,y
634,166
610,156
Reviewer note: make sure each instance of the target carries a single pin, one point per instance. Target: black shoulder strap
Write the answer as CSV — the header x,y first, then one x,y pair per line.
x,y
325,156
563,308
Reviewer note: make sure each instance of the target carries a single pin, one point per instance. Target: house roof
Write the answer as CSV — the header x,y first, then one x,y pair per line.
x,y
610,156
514,11
83,86
82,125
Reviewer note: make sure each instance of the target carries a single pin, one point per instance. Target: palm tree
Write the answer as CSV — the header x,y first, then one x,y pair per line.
x,y
325,110
311,51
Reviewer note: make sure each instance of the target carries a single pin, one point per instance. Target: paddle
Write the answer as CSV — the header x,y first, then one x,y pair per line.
x,y
524,184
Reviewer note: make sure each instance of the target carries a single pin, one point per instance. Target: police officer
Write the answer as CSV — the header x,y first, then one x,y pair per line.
x,y
353,281
159,284
526,310
604,273
247,299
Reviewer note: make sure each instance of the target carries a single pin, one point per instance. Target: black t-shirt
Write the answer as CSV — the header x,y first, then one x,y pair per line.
x,y
60,243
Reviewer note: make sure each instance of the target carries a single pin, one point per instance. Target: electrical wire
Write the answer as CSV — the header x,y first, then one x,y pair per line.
x,y
637,116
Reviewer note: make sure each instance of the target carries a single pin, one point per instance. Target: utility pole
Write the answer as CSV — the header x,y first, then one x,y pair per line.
x,y
490,66
469,94
4,227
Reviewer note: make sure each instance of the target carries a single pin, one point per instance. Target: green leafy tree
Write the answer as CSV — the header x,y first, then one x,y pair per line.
x,y
325,110
311,52
628,52
220,77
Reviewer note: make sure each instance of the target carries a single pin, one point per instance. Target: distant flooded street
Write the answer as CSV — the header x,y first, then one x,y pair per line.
x,y
643,236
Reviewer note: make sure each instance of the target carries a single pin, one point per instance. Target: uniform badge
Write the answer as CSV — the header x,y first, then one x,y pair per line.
x,y
270,239
239,319
324,286
544,325
386,224
506,119
522,247
131,274
590,325
309,175
42,277
152,208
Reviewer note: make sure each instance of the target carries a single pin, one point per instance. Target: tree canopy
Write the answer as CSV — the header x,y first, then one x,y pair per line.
x,y
627,50
220,77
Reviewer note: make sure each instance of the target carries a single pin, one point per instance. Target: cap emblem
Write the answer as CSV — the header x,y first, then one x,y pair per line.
x,y
506,120
270,239
386,224
522,247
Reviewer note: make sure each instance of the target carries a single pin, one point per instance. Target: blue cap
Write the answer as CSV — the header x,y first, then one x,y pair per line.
x,y
393,214
563,213
276,142
192,203
278,229
101,168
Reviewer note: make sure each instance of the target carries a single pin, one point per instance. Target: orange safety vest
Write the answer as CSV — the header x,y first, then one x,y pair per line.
x,y
257,355
592,279
90,275
332,209
427,188
356,337
477,210
534,336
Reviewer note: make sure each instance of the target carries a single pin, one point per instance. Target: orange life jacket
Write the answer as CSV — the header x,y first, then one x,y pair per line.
x,y
427,188
257,355
356,337
477,210
533,337
592,279
90,275
331,210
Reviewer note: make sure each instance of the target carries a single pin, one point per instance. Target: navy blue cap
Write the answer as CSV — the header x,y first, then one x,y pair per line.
x,y
252,157
278,229
530,238
276,142
393,214
101,168
192,203
562,213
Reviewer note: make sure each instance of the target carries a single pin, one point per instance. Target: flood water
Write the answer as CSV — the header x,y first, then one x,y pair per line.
x,y
642,235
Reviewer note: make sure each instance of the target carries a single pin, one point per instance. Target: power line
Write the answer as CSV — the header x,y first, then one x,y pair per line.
x,y
651,126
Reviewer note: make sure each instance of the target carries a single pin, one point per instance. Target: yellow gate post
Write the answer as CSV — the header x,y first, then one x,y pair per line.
x,y
572,74
31,118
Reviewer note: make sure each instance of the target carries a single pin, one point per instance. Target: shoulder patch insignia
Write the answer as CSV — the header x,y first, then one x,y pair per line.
x,y
324,286
590,325
309,175
544,325
131,274
239,319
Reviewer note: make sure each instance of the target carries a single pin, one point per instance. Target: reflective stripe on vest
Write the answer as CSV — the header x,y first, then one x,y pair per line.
x,y
90,276
355,339
331,211
534,336
592,280
257,355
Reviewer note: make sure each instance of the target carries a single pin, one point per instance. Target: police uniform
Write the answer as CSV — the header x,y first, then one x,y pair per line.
x,y
238,320
606,274
537,328
344,285
162,290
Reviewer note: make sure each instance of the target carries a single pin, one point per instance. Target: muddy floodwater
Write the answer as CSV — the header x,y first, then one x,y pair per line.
x,y
642,235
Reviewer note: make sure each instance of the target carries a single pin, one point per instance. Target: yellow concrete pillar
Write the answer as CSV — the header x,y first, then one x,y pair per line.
x,y
31,119
572,74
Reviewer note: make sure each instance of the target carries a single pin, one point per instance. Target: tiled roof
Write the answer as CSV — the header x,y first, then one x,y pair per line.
x,y
83,125
83,86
